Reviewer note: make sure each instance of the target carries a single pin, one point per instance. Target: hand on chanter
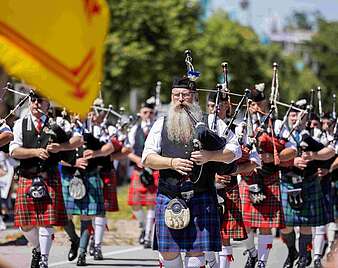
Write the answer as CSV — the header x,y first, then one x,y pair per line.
x,y
300,163
223,179
200,157
182,166
81,163
53,147
41,153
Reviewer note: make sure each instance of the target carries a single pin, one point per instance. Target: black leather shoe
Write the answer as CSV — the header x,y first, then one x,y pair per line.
x,y
251,261
36,258
91,246
81,261
98,254
147,244
292,257
308,258
302,262
74,247
317,263
261,264
141,238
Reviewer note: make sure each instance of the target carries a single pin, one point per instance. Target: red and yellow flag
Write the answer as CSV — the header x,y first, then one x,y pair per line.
x,y
56,46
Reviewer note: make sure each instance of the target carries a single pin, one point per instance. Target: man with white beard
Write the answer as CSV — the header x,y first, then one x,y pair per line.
x,y
169,148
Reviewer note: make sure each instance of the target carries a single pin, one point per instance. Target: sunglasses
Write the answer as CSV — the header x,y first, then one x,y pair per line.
x,y
39,100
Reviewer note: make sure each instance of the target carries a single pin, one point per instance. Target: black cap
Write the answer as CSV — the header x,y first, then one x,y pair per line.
x,y
222,96
184,82
327,115
149,103
313,116
257,93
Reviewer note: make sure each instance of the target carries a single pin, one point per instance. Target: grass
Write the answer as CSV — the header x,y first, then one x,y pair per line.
x,y
124,212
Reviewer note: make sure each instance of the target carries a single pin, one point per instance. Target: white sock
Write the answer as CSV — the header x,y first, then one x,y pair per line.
x,y
331,230
225,257
264,247
175,263
100,225
249,244
160,260
194,262
211,258
33,237
149,224
318,241
45,239
139,214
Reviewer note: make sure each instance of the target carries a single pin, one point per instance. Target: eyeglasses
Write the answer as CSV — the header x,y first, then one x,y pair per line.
x,y
39,100
148,112
184,95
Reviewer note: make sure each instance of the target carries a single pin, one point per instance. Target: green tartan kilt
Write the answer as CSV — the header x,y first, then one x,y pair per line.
x,y
313,212
92,203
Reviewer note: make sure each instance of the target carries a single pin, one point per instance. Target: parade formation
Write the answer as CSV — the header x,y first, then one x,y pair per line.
x,y
201,176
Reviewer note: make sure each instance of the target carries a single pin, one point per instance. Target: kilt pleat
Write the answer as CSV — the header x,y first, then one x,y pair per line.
x,y
138,194
313,212
233,225
268,214
109,190
202,233
328,194
43,212
92,203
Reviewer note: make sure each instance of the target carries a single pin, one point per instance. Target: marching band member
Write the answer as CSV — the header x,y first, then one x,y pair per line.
x,y
169,148
39,204
142,193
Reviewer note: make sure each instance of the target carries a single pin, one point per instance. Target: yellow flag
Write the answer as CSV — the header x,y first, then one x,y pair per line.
x,y
56,46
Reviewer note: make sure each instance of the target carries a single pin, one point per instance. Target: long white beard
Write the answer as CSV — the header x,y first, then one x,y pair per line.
x,y
180,127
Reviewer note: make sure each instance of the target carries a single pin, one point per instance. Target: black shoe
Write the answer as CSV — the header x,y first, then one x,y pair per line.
x,y
141,238
74,247
302,262
43,264
147,244
98,254
261,264
308,258
91,246
251,261
292,256
81,261
36,258
317,263
326,245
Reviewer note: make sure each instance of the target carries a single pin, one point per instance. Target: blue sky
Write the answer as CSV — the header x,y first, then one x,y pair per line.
x,y
261,10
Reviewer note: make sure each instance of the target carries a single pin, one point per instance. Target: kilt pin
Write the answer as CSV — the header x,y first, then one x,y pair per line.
x,y
109,190
50,211
269,213
139,194
232,225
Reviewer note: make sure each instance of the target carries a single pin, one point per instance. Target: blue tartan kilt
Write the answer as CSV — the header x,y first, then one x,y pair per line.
x,y
92,203
327,190
313,212
202,233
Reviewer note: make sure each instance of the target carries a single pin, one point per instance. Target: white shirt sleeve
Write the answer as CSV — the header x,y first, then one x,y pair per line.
x,y
17,132
153,142
5,128
131,136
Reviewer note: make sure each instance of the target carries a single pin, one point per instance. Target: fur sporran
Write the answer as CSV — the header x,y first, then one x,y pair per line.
x,y
77,189
177,214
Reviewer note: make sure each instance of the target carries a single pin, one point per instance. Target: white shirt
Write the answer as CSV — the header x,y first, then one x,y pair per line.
x,y
5,128
153,142
132,133
17,130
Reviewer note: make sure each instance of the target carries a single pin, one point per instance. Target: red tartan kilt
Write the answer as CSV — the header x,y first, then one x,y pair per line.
x,y
233,225
268,214
41,213
109,190
139,194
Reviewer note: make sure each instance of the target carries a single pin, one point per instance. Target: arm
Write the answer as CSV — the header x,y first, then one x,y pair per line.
x,y
5,138
105,150
324,154
25,153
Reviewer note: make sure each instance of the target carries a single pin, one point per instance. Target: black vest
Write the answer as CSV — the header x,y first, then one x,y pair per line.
x,y
32,139
139,141
171,178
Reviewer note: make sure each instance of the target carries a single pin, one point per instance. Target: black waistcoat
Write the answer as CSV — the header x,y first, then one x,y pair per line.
x,y
139,141
180,150
32,139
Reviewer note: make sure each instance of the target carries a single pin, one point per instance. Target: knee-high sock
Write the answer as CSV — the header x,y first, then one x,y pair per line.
x,y
46,240
290,240
264,247
175,263
194,262
149,224
225,257
84,239
211,258
33,237
318,241
139,214
100,225
305,244
331,230
70,230
249,244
